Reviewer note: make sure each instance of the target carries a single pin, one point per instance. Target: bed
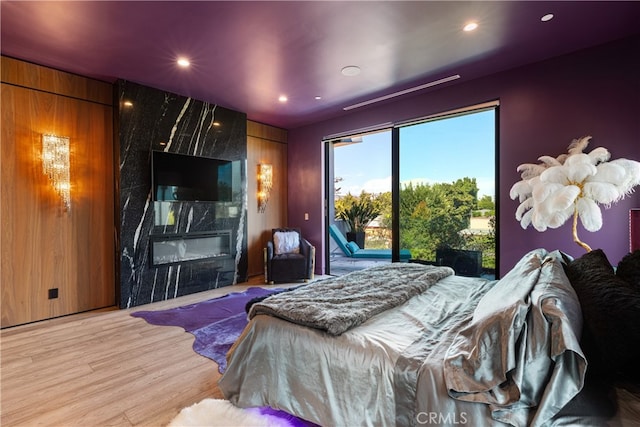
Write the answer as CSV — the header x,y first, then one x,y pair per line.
x,y
435,349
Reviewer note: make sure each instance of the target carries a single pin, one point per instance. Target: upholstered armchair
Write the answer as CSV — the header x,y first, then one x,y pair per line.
x,y
288,256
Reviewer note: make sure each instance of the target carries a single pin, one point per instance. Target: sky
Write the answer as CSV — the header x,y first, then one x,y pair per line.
x,y
438,151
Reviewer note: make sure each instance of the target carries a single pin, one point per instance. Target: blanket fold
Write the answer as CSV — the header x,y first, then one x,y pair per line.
x,y
338,304
520,353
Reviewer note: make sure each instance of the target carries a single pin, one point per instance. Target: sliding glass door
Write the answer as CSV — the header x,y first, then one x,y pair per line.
x,y
432,185
446,202
359,199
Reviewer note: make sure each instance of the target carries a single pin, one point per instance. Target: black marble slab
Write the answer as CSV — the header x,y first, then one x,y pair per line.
x,y
151,119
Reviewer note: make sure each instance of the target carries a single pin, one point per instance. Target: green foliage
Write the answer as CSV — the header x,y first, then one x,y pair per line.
x,y
485,243
431,216
483,213
358,211
384,202
486,202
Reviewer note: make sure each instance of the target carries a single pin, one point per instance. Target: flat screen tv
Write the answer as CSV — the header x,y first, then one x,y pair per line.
x,y
180,177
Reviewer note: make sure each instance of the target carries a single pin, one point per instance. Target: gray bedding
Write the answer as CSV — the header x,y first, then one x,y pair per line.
x,y
463,351
520,354
338,304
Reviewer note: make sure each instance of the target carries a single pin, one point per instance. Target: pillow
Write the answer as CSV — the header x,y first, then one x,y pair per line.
x,y
286,242
629,269
353,247
611,314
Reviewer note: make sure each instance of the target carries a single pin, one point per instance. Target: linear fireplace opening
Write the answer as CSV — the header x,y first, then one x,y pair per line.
x,y
175,248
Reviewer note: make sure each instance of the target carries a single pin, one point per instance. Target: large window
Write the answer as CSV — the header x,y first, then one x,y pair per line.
x,y
447,191
431,188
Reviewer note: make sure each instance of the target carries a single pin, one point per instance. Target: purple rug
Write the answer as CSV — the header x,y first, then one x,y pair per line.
x,y
216,323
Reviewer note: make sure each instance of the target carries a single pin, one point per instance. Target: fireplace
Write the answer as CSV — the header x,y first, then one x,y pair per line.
x,y
190,247
178,247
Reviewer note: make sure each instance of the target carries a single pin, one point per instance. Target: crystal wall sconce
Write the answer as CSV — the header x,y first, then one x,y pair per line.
x,y
265,183
55,164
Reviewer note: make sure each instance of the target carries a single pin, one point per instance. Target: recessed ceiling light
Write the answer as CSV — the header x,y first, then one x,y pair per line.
x,y
350,70
283,98
216,124
317,98
547,17
470,26
183,62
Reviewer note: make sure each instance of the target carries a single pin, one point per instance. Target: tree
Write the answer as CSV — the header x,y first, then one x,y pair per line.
x,y
485,243
384,202
359,211
432,216
486,202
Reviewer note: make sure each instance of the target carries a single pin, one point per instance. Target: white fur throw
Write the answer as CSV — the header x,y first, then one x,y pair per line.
x,y
222,413
286,242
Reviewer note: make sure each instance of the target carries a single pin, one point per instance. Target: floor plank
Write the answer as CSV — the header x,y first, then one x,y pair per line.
x,y
104,368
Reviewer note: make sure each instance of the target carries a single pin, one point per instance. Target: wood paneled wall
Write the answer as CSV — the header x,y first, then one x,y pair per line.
x,y
43,246
265,144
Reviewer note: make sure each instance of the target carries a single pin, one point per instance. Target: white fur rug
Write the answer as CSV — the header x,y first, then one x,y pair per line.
x,y
222,413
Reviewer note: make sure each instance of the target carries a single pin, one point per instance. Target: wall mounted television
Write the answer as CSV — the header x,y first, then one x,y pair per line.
x,y
181,177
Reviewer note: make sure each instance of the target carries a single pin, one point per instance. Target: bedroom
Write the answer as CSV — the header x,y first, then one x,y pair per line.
x,y
549,103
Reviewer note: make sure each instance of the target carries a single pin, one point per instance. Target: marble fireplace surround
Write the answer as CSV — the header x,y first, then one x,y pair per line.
x,y
151,119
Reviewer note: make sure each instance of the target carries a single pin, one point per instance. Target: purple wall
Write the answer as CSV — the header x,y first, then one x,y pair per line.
x,y
543,107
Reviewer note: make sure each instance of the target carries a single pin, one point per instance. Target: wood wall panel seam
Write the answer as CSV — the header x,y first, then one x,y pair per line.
x,y
268,139
58,94
39,77
266,132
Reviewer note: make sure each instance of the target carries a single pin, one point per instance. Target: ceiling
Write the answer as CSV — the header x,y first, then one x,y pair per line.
x,y
245,54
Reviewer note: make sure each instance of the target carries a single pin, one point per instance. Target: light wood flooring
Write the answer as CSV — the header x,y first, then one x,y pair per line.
x,y
104,368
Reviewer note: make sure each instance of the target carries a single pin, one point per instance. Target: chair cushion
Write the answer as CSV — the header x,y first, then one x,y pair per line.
x,y
286,242
288,267
340,240
353,247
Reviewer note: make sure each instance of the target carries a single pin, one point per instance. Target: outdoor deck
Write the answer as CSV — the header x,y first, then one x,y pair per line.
x,y
341,265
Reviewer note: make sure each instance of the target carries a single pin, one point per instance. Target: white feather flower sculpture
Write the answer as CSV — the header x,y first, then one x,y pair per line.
x,y
572,185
